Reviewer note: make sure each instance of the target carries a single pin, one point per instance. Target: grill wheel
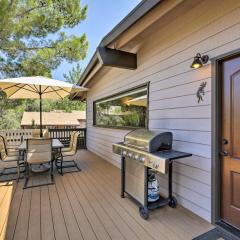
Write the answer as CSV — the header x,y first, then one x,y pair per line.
x,y
173,202
144,212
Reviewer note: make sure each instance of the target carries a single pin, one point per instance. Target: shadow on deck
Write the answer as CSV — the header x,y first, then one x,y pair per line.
x,y
87,205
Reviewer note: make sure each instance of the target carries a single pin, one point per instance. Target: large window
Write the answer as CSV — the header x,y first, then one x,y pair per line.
x,y
125,110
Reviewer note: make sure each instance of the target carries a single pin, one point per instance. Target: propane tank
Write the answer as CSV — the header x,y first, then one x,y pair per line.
x,y
153,188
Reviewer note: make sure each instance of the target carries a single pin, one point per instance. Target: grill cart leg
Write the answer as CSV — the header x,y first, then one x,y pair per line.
x,y
172,200
143,210
122,176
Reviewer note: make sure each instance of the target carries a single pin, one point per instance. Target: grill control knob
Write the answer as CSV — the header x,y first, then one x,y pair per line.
x,y
156,165
142,159
130,155
124,153
136,157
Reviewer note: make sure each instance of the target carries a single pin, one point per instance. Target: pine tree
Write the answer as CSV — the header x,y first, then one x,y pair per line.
x,y
32,37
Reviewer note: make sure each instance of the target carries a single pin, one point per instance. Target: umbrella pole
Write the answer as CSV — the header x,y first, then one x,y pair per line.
x,y
40,94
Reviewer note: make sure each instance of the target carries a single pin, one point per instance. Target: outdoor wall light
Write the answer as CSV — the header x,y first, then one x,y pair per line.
x,y
199,60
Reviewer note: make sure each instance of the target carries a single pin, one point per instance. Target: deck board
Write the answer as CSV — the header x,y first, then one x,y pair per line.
x,y
110,226
22,226
118,227
83,222
8,191
47,228
60,228
154,228
128,206
70,220
13,212
98,227
109,201
87,205
34,228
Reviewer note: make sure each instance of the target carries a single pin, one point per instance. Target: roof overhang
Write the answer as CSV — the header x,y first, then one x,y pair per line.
x,y
126,38
138,12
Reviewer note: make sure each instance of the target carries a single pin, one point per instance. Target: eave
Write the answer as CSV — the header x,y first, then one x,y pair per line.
x,y
138,12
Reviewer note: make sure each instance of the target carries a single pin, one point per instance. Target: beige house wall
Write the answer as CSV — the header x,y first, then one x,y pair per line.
x,y
164,58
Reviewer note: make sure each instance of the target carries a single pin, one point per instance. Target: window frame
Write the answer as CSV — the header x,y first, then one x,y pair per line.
x,y
115,95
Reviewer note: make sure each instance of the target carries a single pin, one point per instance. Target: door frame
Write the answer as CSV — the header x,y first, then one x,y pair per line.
x,y
216,136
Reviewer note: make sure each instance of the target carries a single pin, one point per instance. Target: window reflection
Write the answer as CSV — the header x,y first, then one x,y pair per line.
x,y
127,109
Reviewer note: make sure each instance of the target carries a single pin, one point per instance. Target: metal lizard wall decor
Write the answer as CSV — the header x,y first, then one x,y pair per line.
x,y
201,92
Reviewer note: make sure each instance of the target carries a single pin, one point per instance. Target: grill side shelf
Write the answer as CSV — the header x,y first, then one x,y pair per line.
x,y
172,154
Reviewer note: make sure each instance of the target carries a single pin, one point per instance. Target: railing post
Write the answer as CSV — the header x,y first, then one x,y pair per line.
x,y
85,138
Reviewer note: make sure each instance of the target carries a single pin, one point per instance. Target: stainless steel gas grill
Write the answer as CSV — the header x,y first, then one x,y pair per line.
x,y
143,151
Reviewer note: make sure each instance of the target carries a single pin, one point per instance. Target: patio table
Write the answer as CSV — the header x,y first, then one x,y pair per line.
x,y
56,147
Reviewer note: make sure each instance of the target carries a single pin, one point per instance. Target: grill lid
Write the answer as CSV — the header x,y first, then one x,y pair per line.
x,y
149,141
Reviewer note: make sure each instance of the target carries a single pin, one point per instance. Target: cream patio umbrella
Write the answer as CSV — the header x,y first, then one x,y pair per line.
x,y
139,101
37,87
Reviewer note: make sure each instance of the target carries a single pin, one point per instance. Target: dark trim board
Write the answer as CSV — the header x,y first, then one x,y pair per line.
x,y
228,228
215,164
217,233
116,58
216,134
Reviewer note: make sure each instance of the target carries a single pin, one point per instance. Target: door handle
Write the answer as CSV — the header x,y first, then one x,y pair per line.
x,y
224,153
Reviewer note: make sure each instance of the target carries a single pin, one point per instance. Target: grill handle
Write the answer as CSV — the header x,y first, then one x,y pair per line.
x,y
134,146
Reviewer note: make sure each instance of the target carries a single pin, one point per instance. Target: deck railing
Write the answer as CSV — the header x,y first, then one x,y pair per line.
x,y
63,135
15,137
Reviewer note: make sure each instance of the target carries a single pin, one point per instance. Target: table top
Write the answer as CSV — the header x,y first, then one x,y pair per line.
x,y
56,144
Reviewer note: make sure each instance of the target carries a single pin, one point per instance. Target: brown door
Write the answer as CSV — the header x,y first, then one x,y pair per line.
x,y
230,202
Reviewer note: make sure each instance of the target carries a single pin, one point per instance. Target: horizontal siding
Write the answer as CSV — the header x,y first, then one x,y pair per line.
x,y
179,135
176,91
164,60
179,102
184,112
181,124
153,69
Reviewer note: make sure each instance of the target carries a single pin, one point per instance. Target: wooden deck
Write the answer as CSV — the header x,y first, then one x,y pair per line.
x,y
87,205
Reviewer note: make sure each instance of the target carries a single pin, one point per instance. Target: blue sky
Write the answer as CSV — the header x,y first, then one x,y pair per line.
x,y
102,16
